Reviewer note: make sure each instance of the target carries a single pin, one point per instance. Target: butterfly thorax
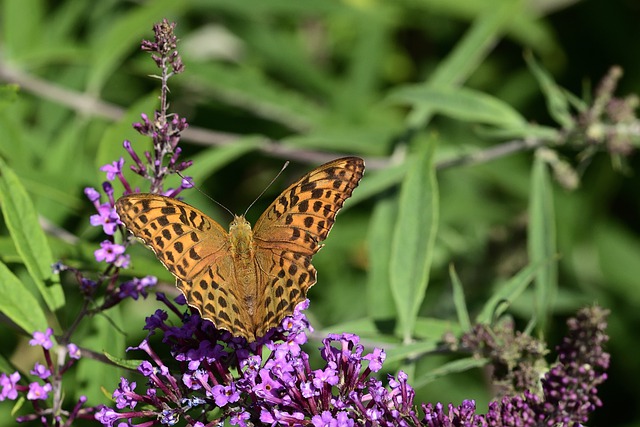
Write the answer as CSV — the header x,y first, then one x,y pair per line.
x,y
241,237
242,250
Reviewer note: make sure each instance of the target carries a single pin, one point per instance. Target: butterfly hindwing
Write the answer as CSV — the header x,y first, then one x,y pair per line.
x,y
287,277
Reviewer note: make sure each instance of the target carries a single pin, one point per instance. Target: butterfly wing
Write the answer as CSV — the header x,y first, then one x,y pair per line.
x,y
291,230
194,248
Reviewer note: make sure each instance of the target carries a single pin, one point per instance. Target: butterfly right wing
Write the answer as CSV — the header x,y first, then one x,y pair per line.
x,y
194,248
291,230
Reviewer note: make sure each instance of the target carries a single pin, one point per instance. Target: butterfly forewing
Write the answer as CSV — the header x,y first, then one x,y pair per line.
x,y
302,216
245,292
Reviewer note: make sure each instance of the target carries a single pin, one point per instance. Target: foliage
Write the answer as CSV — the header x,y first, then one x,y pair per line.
x,y
484,175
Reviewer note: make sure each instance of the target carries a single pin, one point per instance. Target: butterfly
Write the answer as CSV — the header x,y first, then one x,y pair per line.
x,y
246,280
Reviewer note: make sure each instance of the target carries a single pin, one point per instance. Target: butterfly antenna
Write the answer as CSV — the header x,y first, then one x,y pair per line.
x,y
207,196
267,187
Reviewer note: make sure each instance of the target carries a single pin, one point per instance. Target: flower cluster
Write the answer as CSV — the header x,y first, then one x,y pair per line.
x,y
569,388
240,384
157,165
516,359
221,375
46,380
162,161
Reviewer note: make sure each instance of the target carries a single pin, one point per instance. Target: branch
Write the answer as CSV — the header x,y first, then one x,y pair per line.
x,y
89,105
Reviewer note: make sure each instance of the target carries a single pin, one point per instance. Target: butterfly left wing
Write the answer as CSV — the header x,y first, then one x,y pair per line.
x,y
291,230
195,249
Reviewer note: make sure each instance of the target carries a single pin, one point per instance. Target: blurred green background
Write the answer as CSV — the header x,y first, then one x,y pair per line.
x,y
274,80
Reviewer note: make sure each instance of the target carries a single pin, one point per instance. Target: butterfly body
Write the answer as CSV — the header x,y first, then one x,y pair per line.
x,y
245,280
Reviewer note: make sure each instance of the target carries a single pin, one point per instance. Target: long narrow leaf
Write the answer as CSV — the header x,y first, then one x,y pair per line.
x,y
28,237
18,304
557,101
460,103
467,54
542,240
508,292
456,366
414,238
377,182
379,295
209,161
459,300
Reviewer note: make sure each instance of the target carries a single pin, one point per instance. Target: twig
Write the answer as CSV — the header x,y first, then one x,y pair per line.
x,y
492,153
88,105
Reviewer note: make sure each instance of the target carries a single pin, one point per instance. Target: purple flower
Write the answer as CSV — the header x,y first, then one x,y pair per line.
x,y
376,359
92,194
122,261
87,286
107,416
124,395
136,287
38,392
324,420
107,218
42,339
108,252
58,267
329,376
156,321
113,169
74,351
8,383
225,394
240,418
41,371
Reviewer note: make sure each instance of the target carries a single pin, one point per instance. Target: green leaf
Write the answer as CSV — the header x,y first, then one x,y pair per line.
x,y
208,161
379,296
376,182
618,251
249,89
468,53
131,364
508,292
107,338
459,300
542,240
21,31
456,366
5,365
557,101
372,138
18,304
8,95
414,238
410,351
431,328
460,103
30,241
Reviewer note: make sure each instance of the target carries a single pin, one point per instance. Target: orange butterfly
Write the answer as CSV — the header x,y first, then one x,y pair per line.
x,y
245,281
